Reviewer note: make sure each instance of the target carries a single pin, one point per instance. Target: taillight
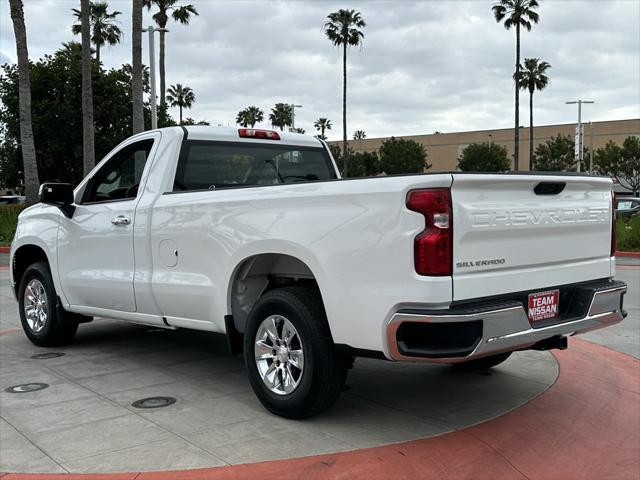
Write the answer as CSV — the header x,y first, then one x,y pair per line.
x,y
254,133
433,247
613,223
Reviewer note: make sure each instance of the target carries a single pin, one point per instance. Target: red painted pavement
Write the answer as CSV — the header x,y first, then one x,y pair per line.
x,y
4,249
586,426
10,330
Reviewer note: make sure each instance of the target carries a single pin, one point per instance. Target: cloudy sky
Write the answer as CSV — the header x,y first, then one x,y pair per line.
x,y
424,66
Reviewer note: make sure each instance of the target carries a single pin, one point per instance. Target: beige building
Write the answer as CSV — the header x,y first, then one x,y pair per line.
x,y
443,149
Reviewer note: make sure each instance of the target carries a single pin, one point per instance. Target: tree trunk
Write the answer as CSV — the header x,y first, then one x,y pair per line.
x,y
31,181
345,154
97,52
516,141
88,149
136,67
180,107
162,73
530,129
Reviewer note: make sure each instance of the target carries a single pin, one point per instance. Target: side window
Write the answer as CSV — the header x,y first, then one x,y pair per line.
x,y
119,178
210,165
624,205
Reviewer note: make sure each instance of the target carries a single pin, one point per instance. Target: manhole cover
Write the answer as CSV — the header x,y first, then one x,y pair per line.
x,y
44,356
27,387
154,402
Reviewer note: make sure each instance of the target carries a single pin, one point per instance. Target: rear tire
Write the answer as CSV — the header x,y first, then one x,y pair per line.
x,y
44,322
483,363
287,390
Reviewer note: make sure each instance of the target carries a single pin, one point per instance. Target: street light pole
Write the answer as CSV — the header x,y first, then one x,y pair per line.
x,y
293,115
580,147
591,148
152,73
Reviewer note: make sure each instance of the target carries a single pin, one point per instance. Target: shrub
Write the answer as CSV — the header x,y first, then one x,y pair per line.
x,y
400,156
484,157
8,222
628,234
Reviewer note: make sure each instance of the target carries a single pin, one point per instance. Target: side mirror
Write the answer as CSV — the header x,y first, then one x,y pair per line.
x,y
60,195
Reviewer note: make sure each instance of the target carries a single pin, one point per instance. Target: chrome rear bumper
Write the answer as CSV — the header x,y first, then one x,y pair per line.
x,y
503,328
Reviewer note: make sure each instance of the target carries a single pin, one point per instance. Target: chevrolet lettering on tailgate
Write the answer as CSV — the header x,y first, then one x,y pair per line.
x,y
519,218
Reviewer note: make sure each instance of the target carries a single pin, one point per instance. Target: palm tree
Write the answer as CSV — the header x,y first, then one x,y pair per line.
x,y
321,125
31,181
532,78
518,13
179,13
104,28
359,135
181,97
249,116
136,67
343,29
88,134
281,115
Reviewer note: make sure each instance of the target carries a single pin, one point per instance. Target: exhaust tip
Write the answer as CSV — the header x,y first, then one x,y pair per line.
x,y
554,343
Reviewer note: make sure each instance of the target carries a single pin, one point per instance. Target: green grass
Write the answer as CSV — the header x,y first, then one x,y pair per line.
x,y
628,234
8,222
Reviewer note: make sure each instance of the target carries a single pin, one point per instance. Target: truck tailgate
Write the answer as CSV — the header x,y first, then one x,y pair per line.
x,y
513,233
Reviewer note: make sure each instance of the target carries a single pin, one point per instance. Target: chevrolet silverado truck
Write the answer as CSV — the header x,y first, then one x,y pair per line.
x,y
253,234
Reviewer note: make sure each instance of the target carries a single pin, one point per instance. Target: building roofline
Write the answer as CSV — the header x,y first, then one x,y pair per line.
x,y
461,132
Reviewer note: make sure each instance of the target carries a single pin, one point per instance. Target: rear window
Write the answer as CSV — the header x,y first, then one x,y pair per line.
x,y
211,165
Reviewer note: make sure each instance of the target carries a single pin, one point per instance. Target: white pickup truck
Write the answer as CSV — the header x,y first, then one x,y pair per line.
x,y
253,233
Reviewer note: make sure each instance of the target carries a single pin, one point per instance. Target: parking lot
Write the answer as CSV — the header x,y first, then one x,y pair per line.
x,y
85,421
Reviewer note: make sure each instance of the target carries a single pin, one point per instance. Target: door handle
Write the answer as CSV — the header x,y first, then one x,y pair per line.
x,y
121,220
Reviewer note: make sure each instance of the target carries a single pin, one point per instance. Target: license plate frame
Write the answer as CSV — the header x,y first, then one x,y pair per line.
x,y
543,306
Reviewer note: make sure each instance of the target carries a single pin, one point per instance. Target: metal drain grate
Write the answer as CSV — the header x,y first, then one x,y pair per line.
x,y
27,387
154,402
44,356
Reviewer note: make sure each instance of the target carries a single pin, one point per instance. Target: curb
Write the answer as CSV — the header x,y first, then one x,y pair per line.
x,y
618,254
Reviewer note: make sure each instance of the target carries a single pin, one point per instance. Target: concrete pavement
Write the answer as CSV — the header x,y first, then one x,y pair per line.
x,y
586,427
84,421
625,336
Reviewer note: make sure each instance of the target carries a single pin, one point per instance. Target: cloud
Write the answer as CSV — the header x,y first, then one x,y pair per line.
x,y
424,66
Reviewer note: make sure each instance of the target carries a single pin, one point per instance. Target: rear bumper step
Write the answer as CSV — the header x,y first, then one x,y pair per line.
x,y
474,331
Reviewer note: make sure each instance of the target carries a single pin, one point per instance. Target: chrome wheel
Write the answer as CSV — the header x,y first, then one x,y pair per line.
x,y
36,306
279,354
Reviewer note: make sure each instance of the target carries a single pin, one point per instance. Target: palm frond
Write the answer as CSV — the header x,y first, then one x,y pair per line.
x,y
183,14
344,27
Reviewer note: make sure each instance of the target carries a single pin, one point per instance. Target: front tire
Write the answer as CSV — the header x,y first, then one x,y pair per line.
x,y
293,365
43,321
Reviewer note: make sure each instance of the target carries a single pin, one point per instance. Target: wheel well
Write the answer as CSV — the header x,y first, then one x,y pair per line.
x,y
261,273
22,258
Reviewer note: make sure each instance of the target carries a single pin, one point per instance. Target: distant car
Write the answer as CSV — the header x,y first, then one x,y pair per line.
x,y
11,200
627,206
